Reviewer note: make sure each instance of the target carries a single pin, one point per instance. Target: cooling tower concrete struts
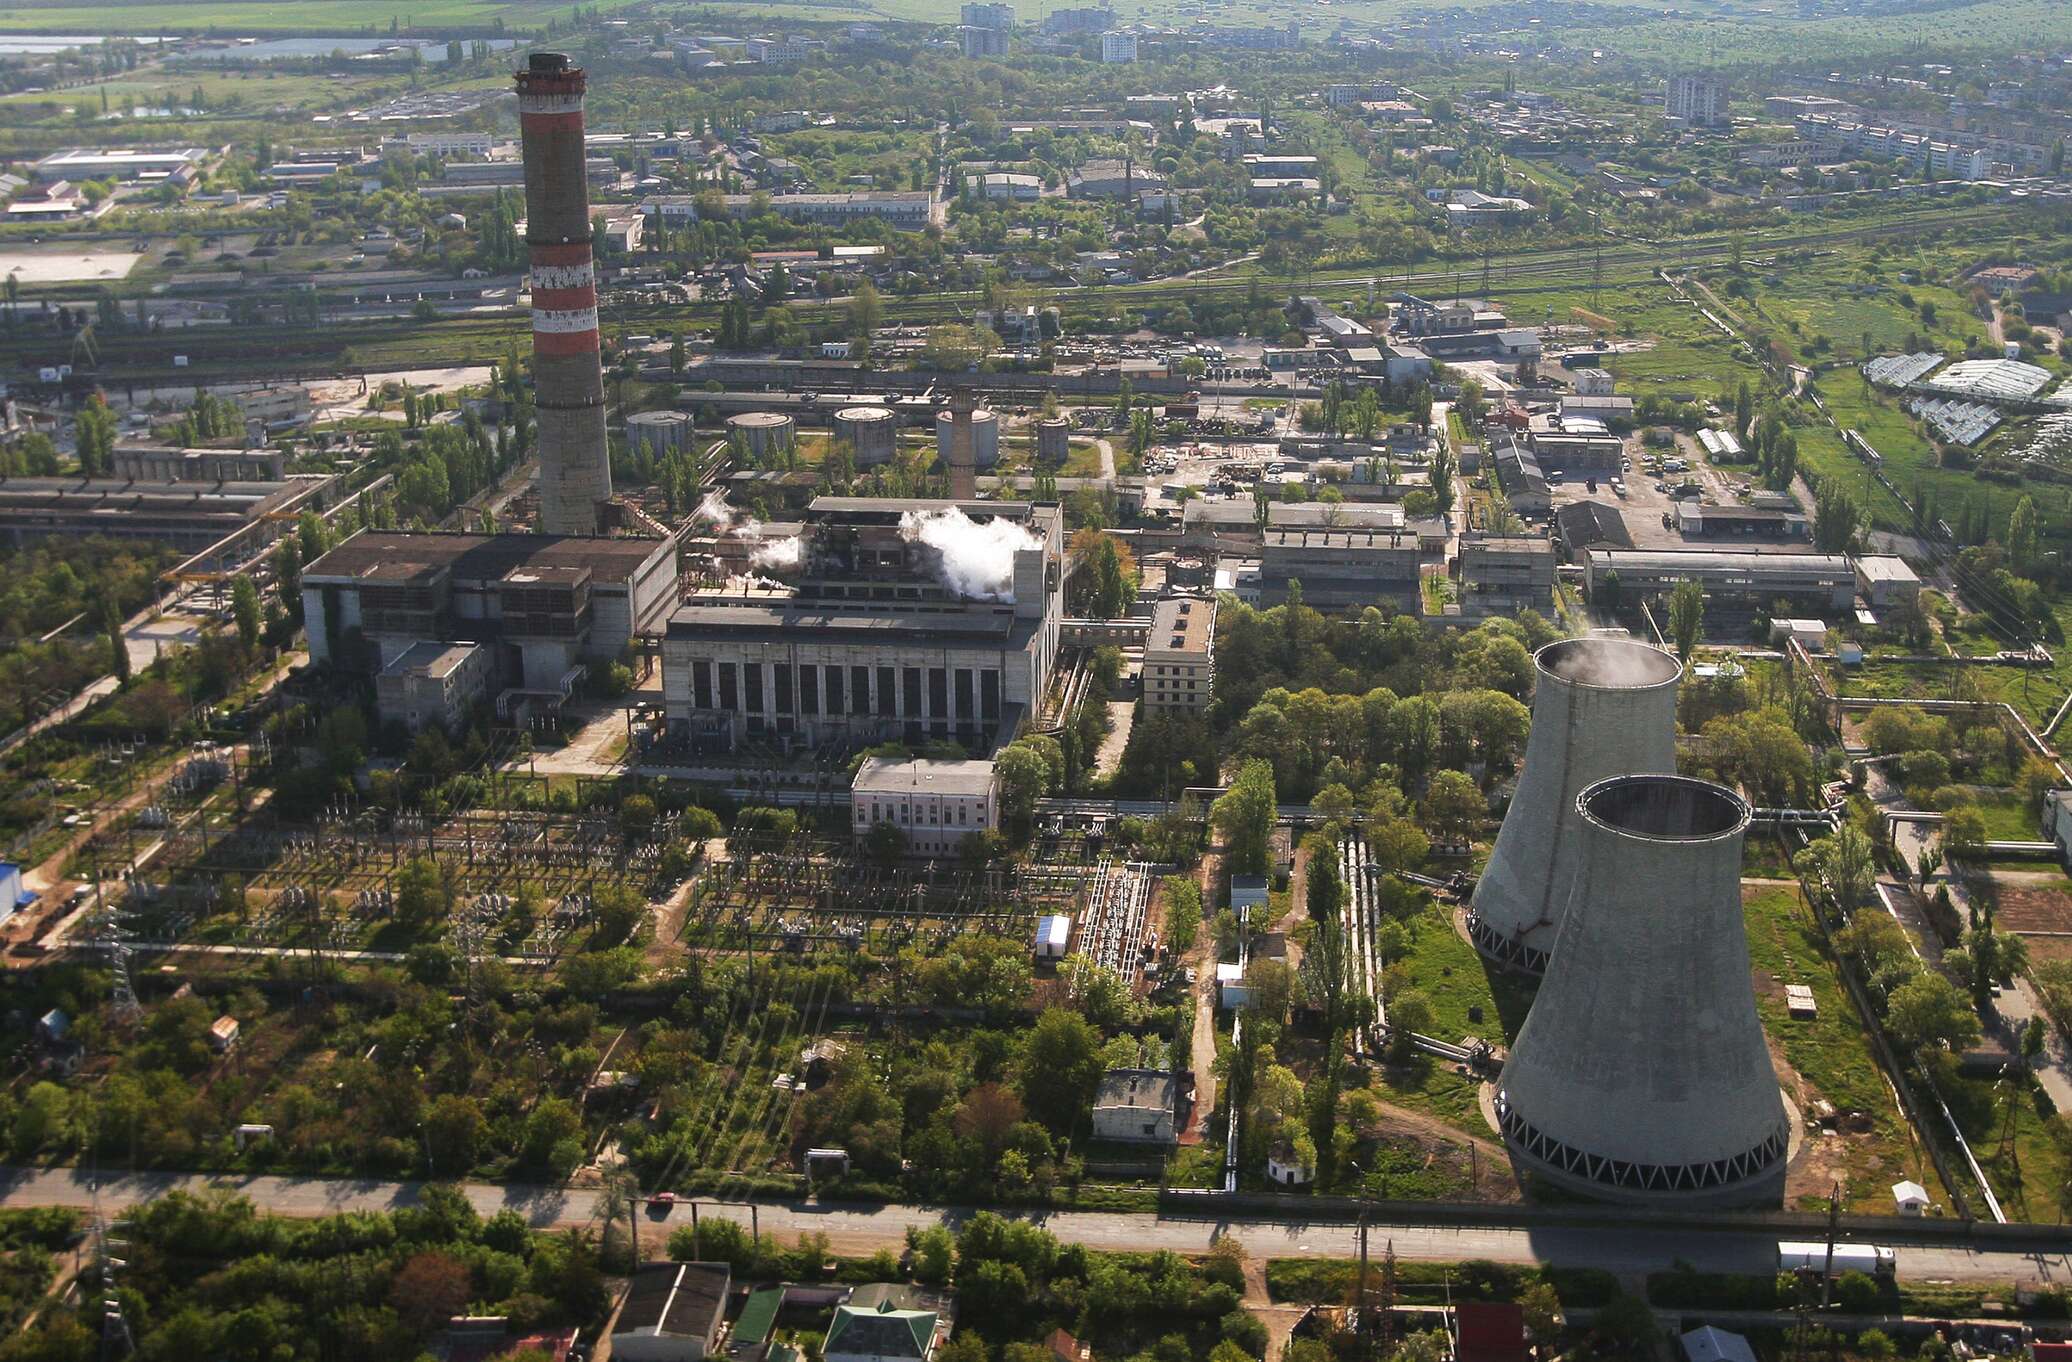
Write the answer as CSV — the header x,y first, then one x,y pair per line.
x,y
1642,1073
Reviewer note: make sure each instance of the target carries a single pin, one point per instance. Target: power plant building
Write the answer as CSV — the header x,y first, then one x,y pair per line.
x,y
901,619
546,607
1642,1073
568,378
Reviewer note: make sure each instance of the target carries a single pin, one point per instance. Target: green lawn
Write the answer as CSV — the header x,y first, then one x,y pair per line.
x,y
1830,1052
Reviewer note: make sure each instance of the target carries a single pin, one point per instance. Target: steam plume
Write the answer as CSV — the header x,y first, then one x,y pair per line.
x,y
974,560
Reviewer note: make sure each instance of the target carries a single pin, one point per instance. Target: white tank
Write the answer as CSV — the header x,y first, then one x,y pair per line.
x,y
762,431
1641,1073
1602,707
872,433
985,438
662,431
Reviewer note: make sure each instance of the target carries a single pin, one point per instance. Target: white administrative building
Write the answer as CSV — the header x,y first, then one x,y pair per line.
x,y
937,804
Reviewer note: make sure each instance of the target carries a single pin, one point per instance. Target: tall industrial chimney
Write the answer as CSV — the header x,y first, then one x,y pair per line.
x,y
1602,707
961,458
568,379
1641,1073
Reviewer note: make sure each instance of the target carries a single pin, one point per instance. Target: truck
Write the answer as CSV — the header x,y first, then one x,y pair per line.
x,y
1812,1259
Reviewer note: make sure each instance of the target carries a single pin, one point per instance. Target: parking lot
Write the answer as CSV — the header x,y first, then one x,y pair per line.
x,y
1649,504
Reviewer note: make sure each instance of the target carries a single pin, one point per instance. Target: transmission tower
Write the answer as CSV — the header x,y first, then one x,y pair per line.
x,y
110,937
116,1339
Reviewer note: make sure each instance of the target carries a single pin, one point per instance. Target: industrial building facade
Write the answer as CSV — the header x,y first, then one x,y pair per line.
x,y
936,804
876,639
1180,654
545,606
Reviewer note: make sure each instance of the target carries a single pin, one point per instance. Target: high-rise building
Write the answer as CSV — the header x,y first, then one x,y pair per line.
x,y
568,379
1118,48
1698,100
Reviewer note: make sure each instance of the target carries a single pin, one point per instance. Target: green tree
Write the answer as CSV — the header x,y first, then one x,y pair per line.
x,y
96,437
1686,617
2021,536
1059,1069
118,644
244,607
1183,913
1837,518
1928,1013
1244,817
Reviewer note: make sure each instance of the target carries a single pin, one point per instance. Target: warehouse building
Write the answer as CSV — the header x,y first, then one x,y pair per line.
x,y
1503,574
894,619
546,607
1342,569
1180,654
188,515
1820,583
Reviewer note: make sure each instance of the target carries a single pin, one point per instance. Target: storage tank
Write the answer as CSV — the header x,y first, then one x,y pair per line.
x,y
1053,440
1602,707
761,432
1641,1073
872,433
985,437
664,432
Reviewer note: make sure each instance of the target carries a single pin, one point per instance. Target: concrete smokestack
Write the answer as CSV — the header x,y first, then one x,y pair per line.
x,y
568,379
1641,1073
961,458
1602,707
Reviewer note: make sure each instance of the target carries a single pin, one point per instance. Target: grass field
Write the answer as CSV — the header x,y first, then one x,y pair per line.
x,y
1831,1057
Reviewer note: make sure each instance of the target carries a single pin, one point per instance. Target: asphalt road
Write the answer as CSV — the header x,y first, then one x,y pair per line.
x,y
865,1229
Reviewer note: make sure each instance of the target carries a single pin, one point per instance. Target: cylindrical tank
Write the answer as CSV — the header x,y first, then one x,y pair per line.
x,y
1641,1073
663,432
762,431
985,437
567,378
872,433
1053,440
1602,707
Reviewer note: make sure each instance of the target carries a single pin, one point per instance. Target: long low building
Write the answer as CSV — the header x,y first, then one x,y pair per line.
x,y
1743,579
909,210
190,515
903,619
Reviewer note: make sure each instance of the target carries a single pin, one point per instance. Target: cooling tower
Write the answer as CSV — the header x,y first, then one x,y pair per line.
x,y
1602,707
1641,1073
567,377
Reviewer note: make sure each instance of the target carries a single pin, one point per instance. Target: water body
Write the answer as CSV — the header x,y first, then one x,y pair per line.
x,y
38,45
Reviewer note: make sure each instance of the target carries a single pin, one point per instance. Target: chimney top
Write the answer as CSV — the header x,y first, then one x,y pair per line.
x,y
547,63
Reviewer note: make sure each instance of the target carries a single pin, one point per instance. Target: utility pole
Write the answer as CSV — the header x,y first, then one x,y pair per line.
x,y
1834,1217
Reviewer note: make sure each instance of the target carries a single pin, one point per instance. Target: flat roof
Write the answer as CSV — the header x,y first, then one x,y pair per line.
x,y
1182,624
1688,560
431,657
674,1300
375,554
1885,567
921,775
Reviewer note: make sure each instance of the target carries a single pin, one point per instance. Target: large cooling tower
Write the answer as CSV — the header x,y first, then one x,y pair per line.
x,y
1641,1073
1603,707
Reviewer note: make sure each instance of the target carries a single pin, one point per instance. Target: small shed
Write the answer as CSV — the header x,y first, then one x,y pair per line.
x,y
223,1034
1053,935
1910,1198
1247,892
1231,993
1285,1166
1492,1331
1707,1344
252,1133
53,1026
826,1163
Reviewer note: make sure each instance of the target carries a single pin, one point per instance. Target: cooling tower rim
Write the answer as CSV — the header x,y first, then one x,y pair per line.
x,y
866,413
758,418
1730,812
1546,661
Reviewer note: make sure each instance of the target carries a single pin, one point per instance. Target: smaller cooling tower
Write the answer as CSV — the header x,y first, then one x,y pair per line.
x,y
1641,1073
1602,707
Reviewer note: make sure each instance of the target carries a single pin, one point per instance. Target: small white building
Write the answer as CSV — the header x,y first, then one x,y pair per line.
x,y
1231,992
1285,1166
1884,578
1910,1198
937,804
1809,632
1010,186
1053,936
1593,383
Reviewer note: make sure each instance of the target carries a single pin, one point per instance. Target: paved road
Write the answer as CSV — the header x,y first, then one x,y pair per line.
x,y
853,1229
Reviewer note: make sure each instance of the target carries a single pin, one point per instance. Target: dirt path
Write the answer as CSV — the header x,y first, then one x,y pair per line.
x,y
1280,1320
1202,960
1122,715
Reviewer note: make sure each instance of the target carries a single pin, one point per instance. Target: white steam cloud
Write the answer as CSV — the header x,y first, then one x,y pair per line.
x,y
785,551
972,559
